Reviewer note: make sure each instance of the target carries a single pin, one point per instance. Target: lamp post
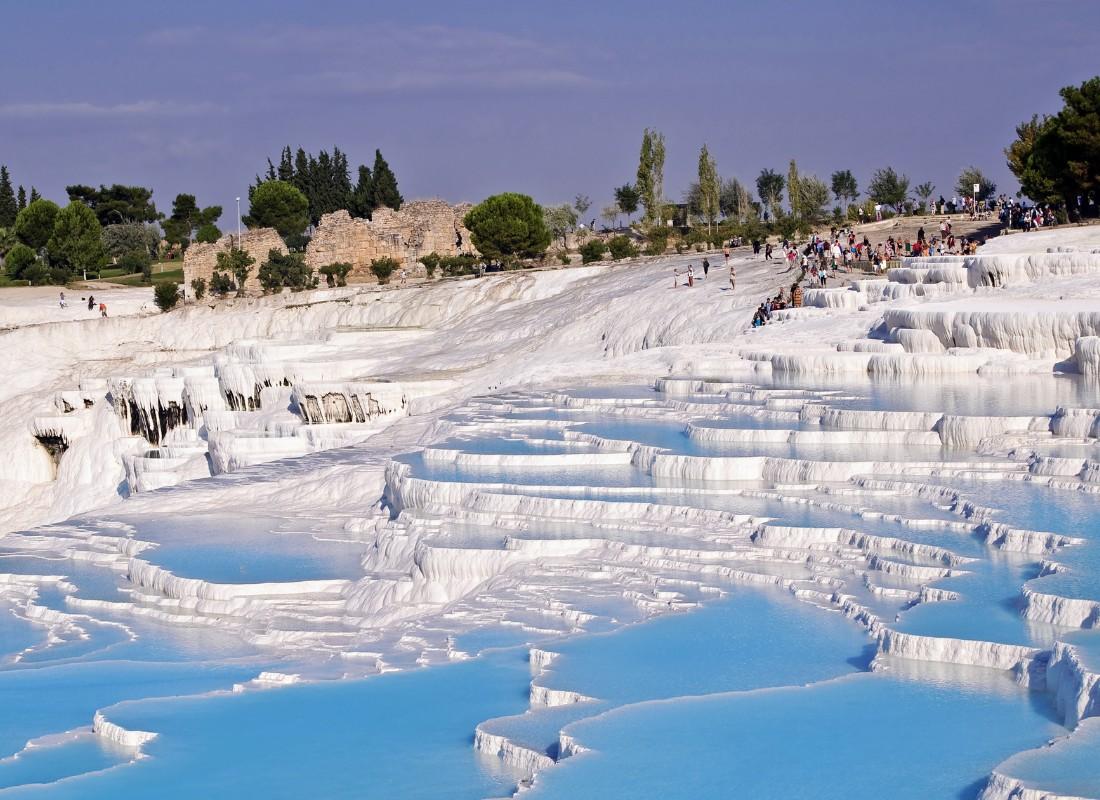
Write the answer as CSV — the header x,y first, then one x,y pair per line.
x,y
238,223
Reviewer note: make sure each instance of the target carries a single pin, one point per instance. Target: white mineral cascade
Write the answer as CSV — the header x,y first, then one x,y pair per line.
x,y
474,441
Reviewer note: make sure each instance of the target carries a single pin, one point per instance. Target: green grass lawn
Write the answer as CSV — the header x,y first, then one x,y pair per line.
x,y
162,271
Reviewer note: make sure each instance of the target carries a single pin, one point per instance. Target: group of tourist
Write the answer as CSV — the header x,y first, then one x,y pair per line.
x,y
822,257
690,275
764,311
1015,215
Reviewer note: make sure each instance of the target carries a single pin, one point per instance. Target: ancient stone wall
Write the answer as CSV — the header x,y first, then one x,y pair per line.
x,y
200,259
419,228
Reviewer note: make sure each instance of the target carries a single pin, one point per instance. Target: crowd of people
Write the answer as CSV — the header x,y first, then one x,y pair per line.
x,y
821,258
1014,214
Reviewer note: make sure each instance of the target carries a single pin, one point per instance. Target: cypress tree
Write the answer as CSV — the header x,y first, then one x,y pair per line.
x,y
341,178
286,166
22,202
385,184
361,201
301,172
34,196
8,206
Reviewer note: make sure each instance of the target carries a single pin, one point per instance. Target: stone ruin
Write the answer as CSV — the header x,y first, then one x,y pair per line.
x,y
419,228
201,258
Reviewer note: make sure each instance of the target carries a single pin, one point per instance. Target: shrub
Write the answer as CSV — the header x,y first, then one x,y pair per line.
x,y
198,286
431,263
462,264
657,242
19,259
786,226
37,274
622,247
239,263
564,258
136,261
59,276
221,284
287,270
166,294
383,268
336,274
592,250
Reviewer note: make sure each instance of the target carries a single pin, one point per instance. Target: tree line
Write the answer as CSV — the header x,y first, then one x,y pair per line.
x,y
42,242
324,182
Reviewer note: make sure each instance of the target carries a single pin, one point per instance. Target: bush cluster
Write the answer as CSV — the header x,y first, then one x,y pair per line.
x,y
592,250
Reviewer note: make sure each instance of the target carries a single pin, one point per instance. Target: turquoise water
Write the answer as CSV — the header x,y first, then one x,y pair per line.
x,y
1069,767
245,549
870,735
401,735
754,638
756,695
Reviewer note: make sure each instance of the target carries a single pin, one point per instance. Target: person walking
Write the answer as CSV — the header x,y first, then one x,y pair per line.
x,y
61,301
91,303
733,277
691,275
706,268
726,254
103,309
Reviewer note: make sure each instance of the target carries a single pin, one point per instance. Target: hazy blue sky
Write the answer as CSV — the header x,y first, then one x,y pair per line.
x,y
550,98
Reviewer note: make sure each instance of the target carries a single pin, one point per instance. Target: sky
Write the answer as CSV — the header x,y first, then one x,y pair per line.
x,y
472,98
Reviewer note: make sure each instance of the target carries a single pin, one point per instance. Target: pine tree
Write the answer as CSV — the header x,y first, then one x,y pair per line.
x,y
361,201
22,201
8,206
385,184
